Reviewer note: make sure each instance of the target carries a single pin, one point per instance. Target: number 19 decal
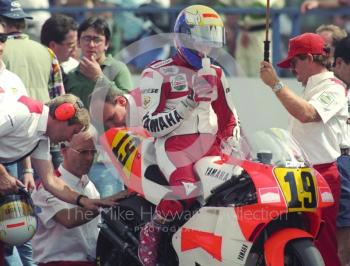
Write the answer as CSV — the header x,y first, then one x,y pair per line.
x,y
298,187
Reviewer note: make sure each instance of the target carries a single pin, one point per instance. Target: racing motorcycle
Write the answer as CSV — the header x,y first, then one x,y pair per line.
x,y
259,205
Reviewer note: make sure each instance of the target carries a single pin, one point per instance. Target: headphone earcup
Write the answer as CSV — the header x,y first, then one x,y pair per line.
x,y
65,112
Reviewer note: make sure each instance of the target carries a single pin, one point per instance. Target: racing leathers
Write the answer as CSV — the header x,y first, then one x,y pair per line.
x,y
183,132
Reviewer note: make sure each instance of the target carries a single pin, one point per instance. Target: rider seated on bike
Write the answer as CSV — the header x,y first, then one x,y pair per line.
x,y
180,106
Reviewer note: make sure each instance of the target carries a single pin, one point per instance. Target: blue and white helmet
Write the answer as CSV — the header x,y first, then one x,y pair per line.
x,y
197,26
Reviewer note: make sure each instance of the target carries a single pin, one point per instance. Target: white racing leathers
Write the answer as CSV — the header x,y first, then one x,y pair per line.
x,y
184,134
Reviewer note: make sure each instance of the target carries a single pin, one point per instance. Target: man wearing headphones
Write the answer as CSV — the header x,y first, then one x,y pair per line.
x,y
27,126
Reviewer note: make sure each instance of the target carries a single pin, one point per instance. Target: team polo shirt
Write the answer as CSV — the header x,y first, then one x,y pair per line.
x,y
10,82
53,241
321,140
23,123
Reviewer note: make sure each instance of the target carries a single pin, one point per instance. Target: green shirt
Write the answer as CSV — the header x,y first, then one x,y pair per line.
x,y
116,76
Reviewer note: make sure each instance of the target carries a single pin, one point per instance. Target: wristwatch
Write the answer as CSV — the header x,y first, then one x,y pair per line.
x,y
278,86
79,198
28,171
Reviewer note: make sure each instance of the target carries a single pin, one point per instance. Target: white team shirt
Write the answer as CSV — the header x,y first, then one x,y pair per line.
x,y
54,242
10,82
321,140
22,128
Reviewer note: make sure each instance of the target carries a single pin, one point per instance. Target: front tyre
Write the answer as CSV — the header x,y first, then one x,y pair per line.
x,y
302,252
126,217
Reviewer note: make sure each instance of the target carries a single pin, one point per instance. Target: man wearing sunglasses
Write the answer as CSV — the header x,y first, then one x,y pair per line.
x,y
61,222
317,120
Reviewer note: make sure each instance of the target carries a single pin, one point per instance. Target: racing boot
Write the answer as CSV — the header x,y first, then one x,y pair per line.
x,y
150,237
151,233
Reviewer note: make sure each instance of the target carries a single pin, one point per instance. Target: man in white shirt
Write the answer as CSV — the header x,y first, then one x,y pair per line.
x,y
317,120
66,232
11,83
26,126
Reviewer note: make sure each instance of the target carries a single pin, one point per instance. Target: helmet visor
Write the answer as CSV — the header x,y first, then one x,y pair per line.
x,y
213,36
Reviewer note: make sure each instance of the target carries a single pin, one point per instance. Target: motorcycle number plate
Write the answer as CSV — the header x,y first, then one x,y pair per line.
x,y
299,188
124,147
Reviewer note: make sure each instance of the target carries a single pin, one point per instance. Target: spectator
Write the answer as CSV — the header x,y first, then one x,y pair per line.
x,y
67,234
331,35
59,33
97,69
32,124
80,16
251,36
321,111
95,66
35,64
341,68
34,26
312,4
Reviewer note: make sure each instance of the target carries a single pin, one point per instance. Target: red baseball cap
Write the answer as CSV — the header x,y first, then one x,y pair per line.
x,y
307,43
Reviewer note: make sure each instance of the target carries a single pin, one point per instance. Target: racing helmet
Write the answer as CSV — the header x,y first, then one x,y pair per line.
x,y
197,26
18,221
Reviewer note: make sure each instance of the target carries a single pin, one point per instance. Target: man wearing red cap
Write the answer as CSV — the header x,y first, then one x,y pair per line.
x,y
317,119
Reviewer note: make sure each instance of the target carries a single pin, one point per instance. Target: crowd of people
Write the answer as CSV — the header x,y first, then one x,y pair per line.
x,y
49,123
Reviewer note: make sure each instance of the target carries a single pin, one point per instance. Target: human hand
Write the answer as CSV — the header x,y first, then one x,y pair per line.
x,y
268,74
95,204
120,195
28,181
9,184
308,5
202,90
90,68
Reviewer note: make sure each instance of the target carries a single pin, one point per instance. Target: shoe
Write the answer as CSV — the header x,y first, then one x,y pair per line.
x,y
150,236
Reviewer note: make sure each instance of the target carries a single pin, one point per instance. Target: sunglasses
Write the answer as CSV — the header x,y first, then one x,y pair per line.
x,y
84,152
3,37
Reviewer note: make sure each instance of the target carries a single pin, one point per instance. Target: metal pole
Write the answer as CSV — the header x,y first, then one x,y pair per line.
x,y
267,26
